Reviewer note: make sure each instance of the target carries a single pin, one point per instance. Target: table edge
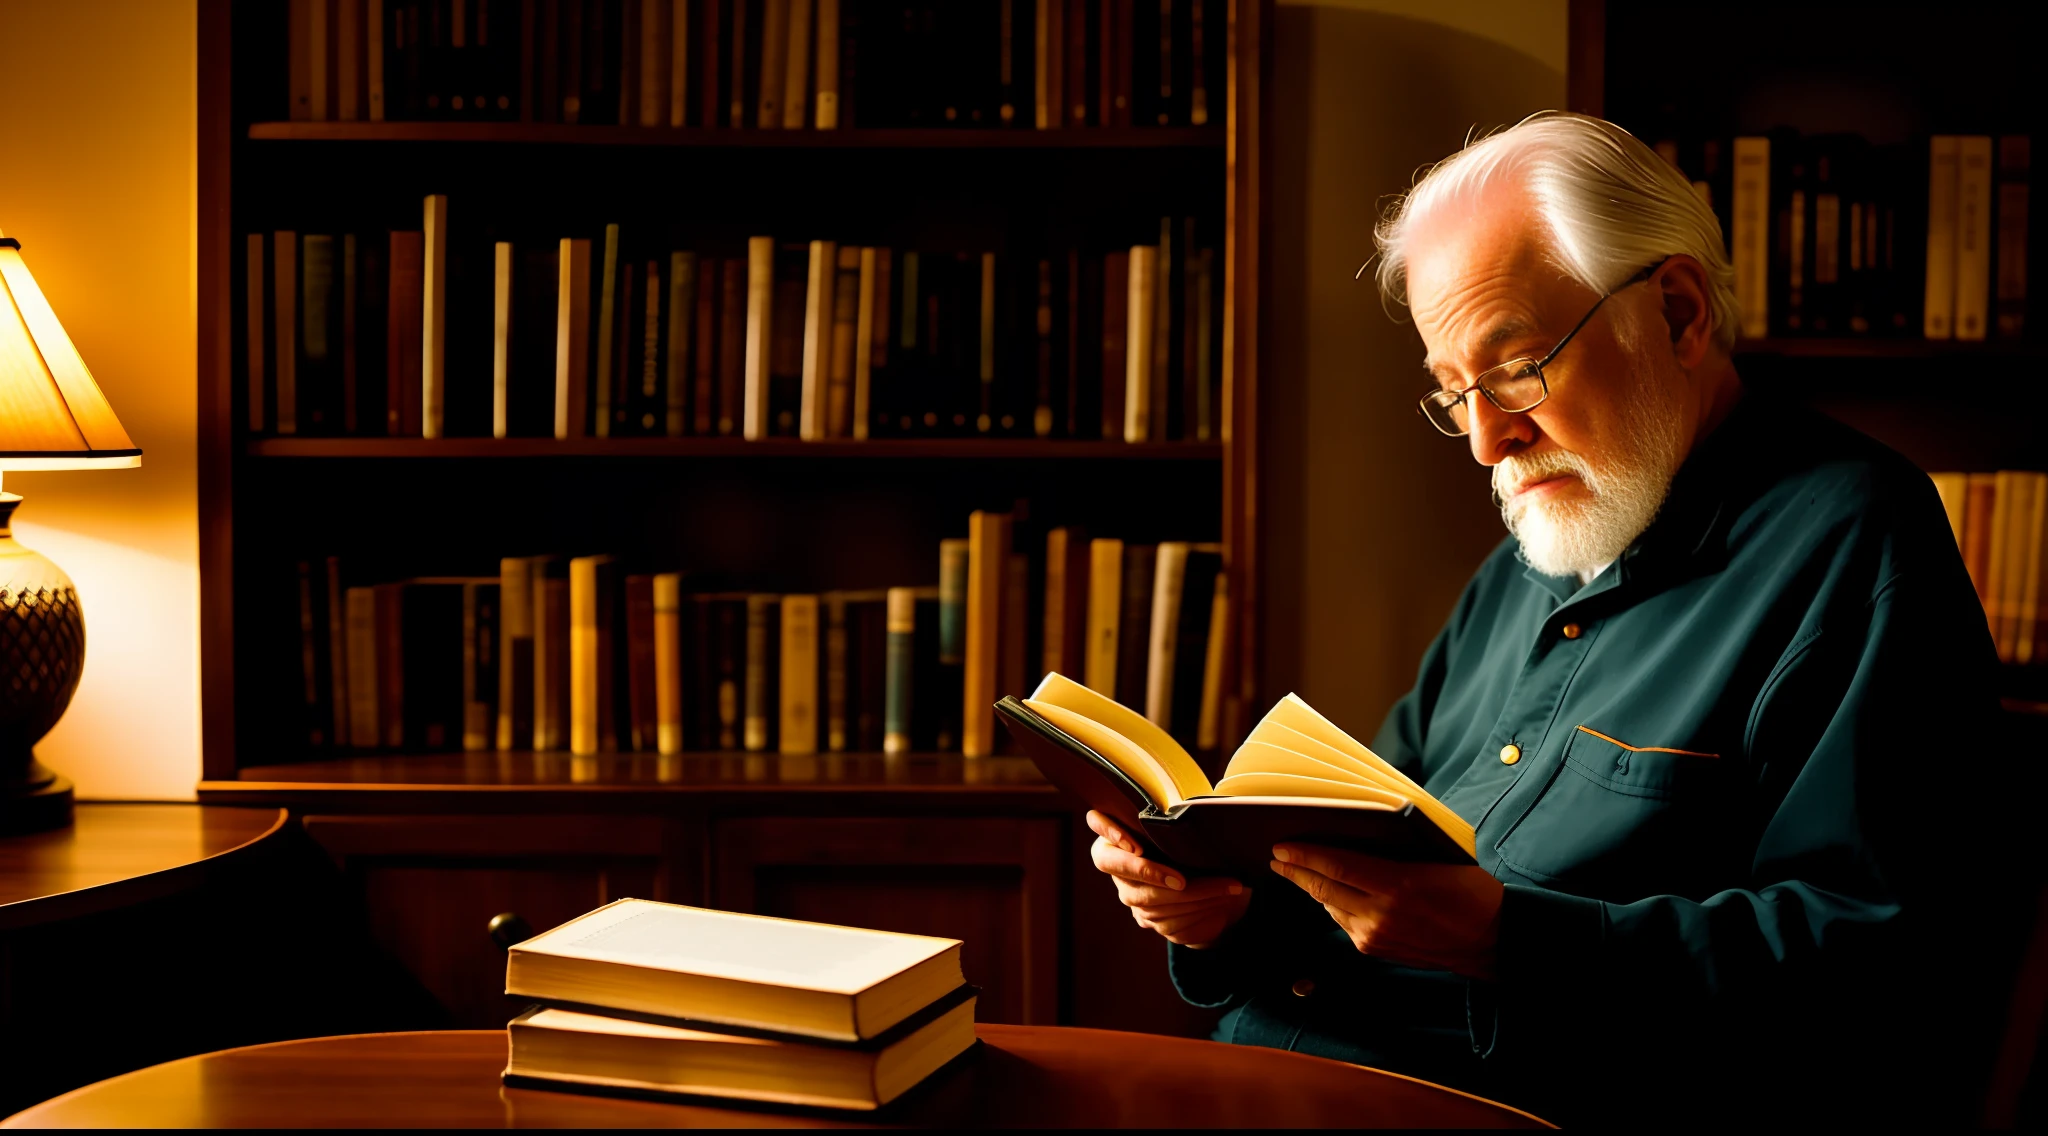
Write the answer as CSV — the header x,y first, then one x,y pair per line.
x,y
96,898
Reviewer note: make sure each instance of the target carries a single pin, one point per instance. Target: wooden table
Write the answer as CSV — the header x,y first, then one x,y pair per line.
x,y
1023,1076
115,856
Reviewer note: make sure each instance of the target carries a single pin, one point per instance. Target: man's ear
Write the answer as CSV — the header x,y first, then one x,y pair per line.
x,y
1684,295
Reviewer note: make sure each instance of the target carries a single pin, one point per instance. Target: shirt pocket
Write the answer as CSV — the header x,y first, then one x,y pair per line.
x,y
1620,821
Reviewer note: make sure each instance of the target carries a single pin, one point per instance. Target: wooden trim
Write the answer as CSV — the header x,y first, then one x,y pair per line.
x,y
976,449
1586,57
216,396
1245,270
556,134
136,889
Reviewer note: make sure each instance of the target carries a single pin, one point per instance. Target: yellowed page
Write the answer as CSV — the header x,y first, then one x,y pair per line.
x,y
1262,757
1061,691
1276,736
1121,751
1287,785
1297,715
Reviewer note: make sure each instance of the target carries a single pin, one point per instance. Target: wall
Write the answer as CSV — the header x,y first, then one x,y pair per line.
x,y
1374,520
97,119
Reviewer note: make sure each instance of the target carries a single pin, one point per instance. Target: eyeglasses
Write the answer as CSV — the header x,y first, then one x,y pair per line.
x,y
1516,386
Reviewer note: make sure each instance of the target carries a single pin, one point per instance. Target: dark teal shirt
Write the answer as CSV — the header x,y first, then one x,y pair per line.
x,y
1737,836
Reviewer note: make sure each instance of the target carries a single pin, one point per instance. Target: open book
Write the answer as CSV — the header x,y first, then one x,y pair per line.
x,y
1296,778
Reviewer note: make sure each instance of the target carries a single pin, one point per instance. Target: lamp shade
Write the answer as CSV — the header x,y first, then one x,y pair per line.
x,y
52,414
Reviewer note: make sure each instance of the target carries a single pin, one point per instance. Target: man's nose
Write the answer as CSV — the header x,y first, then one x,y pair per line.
x,y
1495,433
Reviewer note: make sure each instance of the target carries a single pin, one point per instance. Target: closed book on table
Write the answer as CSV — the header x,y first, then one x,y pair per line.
x,y
762,703
799,979
596,678
564,1048
1297,777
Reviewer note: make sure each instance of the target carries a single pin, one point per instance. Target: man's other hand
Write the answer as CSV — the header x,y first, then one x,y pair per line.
x,y
1193,913
1433,916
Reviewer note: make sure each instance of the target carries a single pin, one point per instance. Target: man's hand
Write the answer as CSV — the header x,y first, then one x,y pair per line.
x,y
1191,913
1433,916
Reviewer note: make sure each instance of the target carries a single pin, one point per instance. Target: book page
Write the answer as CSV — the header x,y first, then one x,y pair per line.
x,y
745,948
1290,785
1261,757
1188,779
1122,752
1297,715
1276,736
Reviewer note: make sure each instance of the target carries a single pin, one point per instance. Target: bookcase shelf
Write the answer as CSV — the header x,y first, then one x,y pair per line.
x,y
1992,350
965,449
557,134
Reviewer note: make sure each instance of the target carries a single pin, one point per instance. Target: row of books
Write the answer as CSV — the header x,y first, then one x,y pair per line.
x,y
573,653
647,997
417,334
763,64
1832,236
2001,524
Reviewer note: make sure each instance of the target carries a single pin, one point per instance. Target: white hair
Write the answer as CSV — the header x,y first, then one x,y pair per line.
x,y
1611,206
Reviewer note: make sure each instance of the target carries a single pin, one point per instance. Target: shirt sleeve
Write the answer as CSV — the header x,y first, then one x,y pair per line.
x,y
1871,926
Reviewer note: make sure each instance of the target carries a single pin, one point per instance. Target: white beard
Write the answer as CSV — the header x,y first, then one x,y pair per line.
x,y
1627,487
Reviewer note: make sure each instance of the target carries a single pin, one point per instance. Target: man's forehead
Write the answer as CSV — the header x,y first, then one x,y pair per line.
x,y
1476,280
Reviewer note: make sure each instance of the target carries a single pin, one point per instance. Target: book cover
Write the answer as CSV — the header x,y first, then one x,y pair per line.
x,y
1973,237
1751,238
762,696
572,339
670,658
515,653
1943,217
643,716
988,558
2013,188
797,686
1140,313
1105,614
434,318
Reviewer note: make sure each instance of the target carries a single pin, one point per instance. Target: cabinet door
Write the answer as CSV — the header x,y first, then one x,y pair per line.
x,y
430,887
992,883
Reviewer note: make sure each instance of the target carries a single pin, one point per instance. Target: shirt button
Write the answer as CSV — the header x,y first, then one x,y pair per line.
x,y
1510,754
1570,630
1304,987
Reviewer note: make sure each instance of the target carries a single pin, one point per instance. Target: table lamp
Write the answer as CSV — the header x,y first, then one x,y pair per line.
x,y
52,416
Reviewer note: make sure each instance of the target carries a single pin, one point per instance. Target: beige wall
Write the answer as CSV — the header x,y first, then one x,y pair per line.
x,y
96,180
1374,520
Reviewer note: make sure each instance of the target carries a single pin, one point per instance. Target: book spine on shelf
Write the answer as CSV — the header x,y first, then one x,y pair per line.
x,y
1938,315
572,338
351,284
1134,624
255,292
1044,95
2013,186
1163,277
870,335
1105,611
839,384
501,341
738,64
1139,312
651,412
1169,572
299,65
601,374
1205,347
762,699
363,686
704,410
392,697
796,67
1066,604
655,62
1207,726
985,371
798,685
988,557
348,61
1973,237
682,315
550,652
817,361
320,60
902,661
1013,637
712,48
1164,112
1751,210
373,59
315,371
1980,509
1114,379
735,340
774,63
2026,602
1042,416
827,111
667,598
481,611
760,319
285,283
627,42
1195,617
336,610
2003,509
515,653
884,390
403,310
642,717
786,340
679,62
434,318
837,612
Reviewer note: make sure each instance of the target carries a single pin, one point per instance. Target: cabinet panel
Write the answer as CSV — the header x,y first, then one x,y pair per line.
x,y
991,882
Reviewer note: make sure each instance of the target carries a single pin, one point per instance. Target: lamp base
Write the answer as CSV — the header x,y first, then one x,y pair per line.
x,y
37,803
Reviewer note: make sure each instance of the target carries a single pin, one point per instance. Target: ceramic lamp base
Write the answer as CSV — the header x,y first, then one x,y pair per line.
x,y
42,652
38,804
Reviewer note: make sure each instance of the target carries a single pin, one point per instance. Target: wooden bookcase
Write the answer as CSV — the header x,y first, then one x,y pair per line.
x,y
434,844
1840,69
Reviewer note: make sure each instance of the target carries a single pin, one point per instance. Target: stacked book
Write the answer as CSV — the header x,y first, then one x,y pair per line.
x,y
643,997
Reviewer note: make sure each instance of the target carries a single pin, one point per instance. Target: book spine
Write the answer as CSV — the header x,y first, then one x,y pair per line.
x,y
984,421
733,305
1042,414
2026,606
818,311
316,332
760,309
1053,639
515,654
1115,363
373,43
362,668
481,662
501,342
390,648
870,336
583,655
762,701
319,61
953,567
253,294
348,46
654,62
1973,237
1198,76
1193,615
837,679
1012,638
668,645
1044,95
284,309
1168,576
711,98
1140,312
682,314
350,285
798,727
901,629
827,112
2013,185
434,318
1995,577
1751,211
679,63
796,67
1134,624
1162,330
402,339
650,355
1163,113
550,653
1207,734
774,62
299,66
337,650
607,313
1105,608
988,557
703,390
642,718
839,392
1938,314
1979,514
737,69
572,338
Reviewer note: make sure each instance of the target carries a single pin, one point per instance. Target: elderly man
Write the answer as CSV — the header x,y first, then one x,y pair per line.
x,y
1710,709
